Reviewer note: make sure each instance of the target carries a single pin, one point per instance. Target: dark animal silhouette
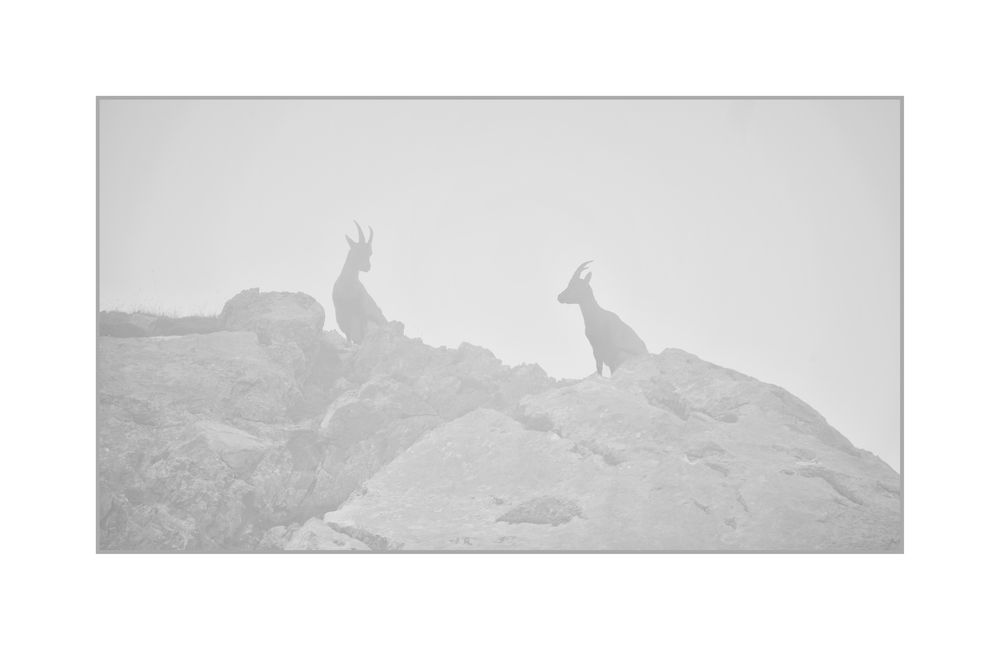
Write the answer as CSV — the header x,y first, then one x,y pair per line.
x,y
354,307
612,340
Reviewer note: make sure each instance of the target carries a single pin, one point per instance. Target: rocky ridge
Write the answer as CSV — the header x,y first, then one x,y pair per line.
x,y
273,434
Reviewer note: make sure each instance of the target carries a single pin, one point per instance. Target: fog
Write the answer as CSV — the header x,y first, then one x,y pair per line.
x,y
761,235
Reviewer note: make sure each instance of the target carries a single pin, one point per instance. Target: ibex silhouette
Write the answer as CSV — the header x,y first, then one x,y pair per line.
x,y
354,307
612,340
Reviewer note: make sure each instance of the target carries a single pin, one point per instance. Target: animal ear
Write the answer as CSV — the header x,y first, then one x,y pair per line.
x,y
586,278
350,241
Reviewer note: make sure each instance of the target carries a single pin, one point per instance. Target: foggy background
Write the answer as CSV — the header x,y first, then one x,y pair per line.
x,y
761,235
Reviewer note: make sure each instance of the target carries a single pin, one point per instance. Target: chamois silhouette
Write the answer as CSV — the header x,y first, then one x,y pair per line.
x,y
354,307
612,340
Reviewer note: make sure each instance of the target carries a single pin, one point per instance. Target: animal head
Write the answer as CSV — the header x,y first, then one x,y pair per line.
x,y
578,290
360,254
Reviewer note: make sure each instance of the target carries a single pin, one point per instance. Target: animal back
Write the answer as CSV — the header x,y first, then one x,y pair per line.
x,y
613,340
626,340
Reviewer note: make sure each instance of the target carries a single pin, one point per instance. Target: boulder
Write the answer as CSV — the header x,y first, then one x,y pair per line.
x,y
275,317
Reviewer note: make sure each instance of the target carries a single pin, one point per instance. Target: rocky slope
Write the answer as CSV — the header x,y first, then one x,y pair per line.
x,y
272,434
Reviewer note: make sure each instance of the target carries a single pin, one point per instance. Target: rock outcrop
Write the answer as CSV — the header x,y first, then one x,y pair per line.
x,y
275,435
207,442
671,453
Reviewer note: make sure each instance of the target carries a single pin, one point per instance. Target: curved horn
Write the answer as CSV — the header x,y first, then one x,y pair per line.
x,y
580,269
371,235
361,234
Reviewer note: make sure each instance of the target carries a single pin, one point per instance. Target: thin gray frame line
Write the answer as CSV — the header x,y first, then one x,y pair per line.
x,y
902,491
497,552
501,97
97,336
902,509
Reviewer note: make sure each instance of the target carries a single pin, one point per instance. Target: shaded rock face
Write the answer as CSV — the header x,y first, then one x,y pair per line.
x,y
399,389
275,435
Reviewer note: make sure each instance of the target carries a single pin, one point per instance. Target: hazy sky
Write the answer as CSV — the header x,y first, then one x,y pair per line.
x,y
761,235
